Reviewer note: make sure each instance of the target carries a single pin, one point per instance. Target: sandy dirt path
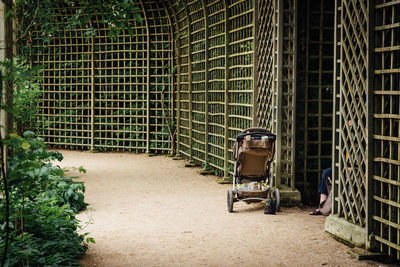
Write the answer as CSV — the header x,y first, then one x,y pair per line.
x,y
152,211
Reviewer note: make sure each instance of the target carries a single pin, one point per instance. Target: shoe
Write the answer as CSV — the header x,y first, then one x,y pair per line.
x,y
315,212
270,208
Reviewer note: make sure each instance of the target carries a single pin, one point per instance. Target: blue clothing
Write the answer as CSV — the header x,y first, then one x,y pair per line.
x,y
323,189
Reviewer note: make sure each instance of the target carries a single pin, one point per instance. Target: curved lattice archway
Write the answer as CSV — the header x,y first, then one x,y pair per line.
x,y
196,73
111,93
124,93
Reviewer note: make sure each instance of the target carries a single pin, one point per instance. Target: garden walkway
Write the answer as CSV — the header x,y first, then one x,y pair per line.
x,y
152,211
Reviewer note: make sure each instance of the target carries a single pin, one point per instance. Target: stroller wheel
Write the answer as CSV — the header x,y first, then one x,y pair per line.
x,y
229,200
278,199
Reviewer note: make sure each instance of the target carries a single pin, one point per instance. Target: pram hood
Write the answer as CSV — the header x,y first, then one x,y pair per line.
x,y
253,153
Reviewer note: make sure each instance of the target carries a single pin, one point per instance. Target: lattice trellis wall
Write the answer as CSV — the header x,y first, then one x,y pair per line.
x,y
111,93
215,90
276,83
367,169
119,91
351,112
386,155
314,95
66,86
266,96
286,102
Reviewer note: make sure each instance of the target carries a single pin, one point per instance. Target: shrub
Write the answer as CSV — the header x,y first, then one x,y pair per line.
x,y
25,81
44,230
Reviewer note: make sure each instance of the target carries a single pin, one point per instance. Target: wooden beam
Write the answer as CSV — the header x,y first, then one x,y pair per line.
x,y
369,187
255,63
279,96
335,107
190,82
147,78
172,80
92,92
226,114
294,83
206,83
9,54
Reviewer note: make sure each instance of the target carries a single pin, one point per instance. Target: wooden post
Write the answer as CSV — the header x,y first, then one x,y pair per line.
x,y
176,52
370,124
279,108
190,85
255,64
306,97
206,83
147,79
226,121
92,92
340,122
294,82
178,97
9,54
172,80
334,115
320,67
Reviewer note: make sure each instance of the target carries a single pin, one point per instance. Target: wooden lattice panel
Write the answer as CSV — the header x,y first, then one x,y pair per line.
x,y
351,111
120,91
65,103
129,82
386,157
216,76
198,55
276,81
288,93
240,73
215,64
314,95
160,75
113,93
185,105
265,56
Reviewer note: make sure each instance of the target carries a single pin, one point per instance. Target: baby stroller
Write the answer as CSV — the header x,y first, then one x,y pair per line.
x,y
253,152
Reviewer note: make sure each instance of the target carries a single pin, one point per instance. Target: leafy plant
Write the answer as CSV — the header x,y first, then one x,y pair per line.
x,y
50,236
43,204
36,26
30,170
26,94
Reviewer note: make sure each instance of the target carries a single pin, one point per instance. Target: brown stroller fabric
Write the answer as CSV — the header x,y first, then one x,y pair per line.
x,y
253,155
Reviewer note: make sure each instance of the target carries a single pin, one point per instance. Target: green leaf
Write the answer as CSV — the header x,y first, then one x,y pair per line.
x,y
69,192
62,185
137,17
90,240
81,169
15,136
9,13
29,134
8,109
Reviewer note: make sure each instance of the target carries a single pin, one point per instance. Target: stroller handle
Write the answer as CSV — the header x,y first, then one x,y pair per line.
x,y
270,136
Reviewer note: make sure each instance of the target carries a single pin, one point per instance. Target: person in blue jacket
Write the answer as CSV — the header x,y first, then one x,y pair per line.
x,y
323,191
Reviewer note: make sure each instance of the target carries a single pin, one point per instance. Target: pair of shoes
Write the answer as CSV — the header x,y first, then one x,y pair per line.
x,y
315,212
